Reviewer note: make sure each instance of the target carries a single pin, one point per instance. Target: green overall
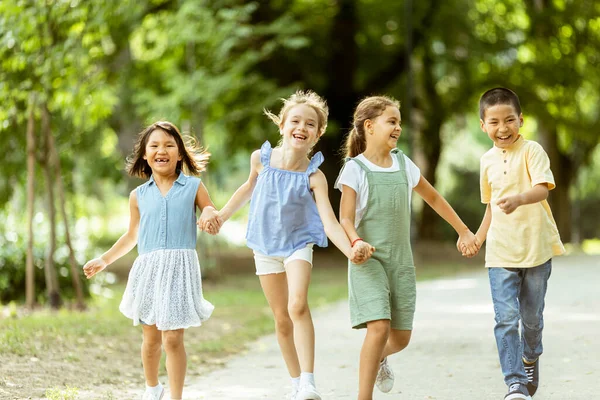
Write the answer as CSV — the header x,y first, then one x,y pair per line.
x,y
384,287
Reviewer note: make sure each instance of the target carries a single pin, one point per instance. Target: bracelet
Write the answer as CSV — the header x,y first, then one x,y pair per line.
x,y
355,240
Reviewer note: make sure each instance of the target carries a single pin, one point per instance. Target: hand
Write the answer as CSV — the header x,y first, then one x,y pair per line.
x,y
361,252
94,266
468,244
210,221
509,204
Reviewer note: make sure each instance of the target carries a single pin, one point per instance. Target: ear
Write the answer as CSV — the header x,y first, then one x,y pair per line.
x,y
521,120
482,125
368,125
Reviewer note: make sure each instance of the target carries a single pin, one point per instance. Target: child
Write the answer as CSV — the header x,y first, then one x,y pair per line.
x,y
164,289
285,222
376,184
522,238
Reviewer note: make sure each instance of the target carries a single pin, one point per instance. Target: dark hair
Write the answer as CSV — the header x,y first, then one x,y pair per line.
x,y
193,157
309,98
369,108
497,96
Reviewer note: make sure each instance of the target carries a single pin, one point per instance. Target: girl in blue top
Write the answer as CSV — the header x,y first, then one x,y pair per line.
x,y
164,289
289,213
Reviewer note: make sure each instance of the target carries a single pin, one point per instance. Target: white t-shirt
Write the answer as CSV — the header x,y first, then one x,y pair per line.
x,y
355,177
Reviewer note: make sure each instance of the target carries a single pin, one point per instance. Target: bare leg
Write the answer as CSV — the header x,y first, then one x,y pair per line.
x,y
176,361
298,273
276,292
370,356
397,341
151,352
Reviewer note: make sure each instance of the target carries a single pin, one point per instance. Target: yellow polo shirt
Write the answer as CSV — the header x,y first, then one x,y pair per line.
x,y
527,237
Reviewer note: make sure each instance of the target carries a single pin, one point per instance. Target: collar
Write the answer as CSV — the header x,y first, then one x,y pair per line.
x,y
181,179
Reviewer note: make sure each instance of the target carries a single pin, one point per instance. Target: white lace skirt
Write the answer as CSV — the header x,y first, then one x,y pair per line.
x,y
165,289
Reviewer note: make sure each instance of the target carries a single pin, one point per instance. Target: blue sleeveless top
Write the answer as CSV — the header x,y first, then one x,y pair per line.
x,y
283,214
167,222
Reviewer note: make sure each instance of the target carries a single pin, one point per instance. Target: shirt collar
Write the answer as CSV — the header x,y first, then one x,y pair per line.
x,y
181,179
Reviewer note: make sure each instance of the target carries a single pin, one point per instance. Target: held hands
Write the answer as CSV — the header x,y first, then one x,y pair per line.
x,y
468,244
361,252
210,221
509,204
94,266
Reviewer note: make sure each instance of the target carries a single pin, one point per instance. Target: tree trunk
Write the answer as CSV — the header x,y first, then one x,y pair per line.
x,y
559,198
52,287
54,161
30,268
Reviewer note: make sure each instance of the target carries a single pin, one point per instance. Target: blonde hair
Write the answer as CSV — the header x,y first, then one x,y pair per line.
x,y
193,157
307,97
369,108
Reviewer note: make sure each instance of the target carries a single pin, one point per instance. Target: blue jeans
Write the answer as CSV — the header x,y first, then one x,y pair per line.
x,y
518,294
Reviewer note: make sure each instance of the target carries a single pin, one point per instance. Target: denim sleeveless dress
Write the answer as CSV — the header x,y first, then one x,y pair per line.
x,y
283,214
165,284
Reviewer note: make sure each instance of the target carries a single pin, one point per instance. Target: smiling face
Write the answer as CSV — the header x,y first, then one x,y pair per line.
x,y
385,130
162,153
300,128
501,122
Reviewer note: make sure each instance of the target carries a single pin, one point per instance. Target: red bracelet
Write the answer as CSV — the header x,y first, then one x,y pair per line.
x,y
355,240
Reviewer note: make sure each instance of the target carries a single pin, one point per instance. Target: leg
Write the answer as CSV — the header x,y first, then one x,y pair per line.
x,y
531,299
176,360
370,356
276,291
505,286
298,274
151,352
397,341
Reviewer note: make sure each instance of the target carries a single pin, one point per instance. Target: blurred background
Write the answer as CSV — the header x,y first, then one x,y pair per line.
x,y
79,80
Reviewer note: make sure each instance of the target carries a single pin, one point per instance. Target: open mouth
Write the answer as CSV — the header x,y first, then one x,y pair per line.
x,y
299,137
161,160
394,136
504,138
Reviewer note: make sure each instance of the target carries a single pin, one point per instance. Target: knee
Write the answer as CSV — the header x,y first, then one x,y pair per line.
x,y
283,324
151,346
507,317
172,340
379,329
298,307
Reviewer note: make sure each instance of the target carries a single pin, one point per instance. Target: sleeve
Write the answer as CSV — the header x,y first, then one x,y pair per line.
x,y
413,172
538,167
484,183
349,176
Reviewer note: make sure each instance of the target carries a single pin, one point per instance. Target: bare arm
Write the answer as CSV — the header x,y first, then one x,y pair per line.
x,y
122,246
333,229
244,192
485,225
444,210
536,194
348,211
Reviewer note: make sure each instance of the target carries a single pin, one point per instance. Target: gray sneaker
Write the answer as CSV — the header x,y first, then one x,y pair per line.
x,y
517,391
385,377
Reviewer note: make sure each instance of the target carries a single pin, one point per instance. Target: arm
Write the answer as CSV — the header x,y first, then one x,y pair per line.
x,y
481,234
122,246
333,229
209,220
347,221
244,192
536,194
444,210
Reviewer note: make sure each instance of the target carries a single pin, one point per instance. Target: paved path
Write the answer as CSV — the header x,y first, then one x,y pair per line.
x,y
452,354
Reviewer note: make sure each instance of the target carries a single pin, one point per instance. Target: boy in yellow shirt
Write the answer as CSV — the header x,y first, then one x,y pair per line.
x,y
522,238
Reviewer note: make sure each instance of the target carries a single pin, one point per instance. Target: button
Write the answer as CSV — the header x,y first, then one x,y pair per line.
x,y
504,151
504,172
505,161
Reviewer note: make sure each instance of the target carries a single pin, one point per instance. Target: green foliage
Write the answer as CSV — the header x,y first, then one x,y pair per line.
x,y
68,393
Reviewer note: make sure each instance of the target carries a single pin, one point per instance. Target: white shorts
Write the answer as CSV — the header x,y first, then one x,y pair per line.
x,y
275,265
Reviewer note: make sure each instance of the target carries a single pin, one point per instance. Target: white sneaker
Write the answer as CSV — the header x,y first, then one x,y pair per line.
x,y
154,393
308,391
385,377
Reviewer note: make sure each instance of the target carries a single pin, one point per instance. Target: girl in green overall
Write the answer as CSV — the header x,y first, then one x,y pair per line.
x,y
376,184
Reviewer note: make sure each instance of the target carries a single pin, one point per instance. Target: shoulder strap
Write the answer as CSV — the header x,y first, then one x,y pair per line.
x,y
314,163
360,164
265,153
